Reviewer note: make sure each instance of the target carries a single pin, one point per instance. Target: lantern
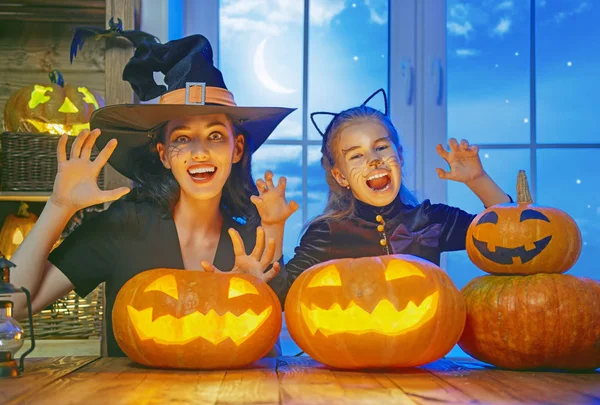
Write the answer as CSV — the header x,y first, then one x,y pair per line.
x,y
53,108
375,312
192,319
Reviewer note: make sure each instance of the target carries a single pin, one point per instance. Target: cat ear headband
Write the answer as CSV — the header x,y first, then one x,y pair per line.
x,y
333,115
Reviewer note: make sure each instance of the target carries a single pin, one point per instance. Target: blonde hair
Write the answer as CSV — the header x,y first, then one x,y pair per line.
x,y
340,202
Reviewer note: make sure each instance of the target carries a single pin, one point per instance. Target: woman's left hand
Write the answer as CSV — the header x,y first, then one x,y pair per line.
x,y
256,262
271,204
463,160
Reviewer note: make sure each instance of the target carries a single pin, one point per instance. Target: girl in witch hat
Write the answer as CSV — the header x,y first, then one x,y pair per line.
x,y
370,212
194,205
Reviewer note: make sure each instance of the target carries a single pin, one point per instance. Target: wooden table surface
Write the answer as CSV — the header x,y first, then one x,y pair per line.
x,y
289,380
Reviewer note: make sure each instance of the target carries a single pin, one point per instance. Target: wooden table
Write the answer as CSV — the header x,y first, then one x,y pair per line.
x,y
289,380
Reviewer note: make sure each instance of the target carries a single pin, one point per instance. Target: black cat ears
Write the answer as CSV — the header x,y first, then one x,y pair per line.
x,y
333,115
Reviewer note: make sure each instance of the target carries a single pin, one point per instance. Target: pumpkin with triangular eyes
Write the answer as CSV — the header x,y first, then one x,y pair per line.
x,y
53,108
172,318
523,237
375,312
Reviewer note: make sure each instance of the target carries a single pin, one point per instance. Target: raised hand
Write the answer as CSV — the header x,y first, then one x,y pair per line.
x,y
254,264
463,160
75,186
271,204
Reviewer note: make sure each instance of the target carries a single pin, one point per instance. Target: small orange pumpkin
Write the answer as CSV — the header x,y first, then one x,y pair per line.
x,y
375,312
15,228
53,108
171,318
523,238
540,321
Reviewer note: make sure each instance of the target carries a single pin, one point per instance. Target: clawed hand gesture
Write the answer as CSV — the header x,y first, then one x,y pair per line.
x,y
75,186
463,160
256,262
271,203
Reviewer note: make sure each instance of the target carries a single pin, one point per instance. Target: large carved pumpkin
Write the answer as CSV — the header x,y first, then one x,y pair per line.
x,y
523,237
15,228
195,320
53,108
375,312
541,321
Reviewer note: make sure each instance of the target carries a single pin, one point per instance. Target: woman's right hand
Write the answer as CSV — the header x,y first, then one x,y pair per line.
x,y
75,186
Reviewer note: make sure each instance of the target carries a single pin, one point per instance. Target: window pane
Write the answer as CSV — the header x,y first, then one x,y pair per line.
x,y
573,188
488,71
348,54
283,160
503,166
317,186
260,56
568,52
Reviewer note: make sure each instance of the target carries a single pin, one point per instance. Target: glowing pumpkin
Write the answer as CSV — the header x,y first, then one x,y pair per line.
x,y
15,228
540,321
523,238
375,312
195,320
52,108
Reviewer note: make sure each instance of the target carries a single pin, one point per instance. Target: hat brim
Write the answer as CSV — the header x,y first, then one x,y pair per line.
x,y
130,125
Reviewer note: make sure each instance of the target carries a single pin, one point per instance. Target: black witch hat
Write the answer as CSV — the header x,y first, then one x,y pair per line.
x,y
194,87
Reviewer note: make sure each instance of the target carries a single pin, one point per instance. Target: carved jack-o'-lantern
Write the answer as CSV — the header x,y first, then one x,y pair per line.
x,y
52,108
15,228
523,237
388,311
191,319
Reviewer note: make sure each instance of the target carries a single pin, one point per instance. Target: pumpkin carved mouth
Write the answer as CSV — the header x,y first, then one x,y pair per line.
x,y
503,255
211,326
385,318
58,129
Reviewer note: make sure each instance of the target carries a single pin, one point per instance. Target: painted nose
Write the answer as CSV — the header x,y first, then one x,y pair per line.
x,y
68,107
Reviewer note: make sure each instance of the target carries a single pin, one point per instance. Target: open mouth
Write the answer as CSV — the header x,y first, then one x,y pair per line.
x,y
202,173
502,255
379,181
385,318
211,326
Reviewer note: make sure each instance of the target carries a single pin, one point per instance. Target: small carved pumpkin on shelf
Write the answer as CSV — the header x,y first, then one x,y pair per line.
x,y
523,237
375,312
53,108
15,228
170,318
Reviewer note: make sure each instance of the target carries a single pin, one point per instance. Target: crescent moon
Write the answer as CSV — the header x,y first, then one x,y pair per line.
x,y
261,72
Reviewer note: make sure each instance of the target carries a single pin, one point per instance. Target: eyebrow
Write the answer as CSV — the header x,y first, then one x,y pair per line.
x,y
209,126
350,149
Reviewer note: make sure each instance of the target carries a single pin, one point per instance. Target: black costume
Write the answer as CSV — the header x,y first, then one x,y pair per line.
x,y
425,230
131,237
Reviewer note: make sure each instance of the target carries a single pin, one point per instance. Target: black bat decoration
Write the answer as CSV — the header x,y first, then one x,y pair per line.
x,y
116,30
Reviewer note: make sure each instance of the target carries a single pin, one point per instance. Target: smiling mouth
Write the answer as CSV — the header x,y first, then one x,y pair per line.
x,y
202,174
379,181
502,255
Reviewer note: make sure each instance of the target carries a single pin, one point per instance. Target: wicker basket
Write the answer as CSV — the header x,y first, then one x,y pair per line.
x,y
71,317
29,161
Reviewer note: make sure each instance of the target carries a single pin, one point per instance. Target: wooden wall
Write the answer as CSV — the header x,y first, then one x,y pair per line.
x,y
37,39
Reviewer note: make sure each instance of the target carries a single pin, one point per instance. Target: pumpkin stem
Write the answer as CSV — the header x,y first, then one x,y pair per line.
x,y
22,211
56,78
523,193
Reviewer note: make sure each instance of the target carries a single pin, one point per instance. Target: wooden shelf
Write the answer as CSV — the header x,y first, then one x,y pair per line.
x,y
34,196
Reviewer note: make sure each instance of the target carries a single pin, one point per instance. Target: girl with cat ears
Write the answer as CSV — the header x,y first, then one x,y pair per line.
x,y
369,211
